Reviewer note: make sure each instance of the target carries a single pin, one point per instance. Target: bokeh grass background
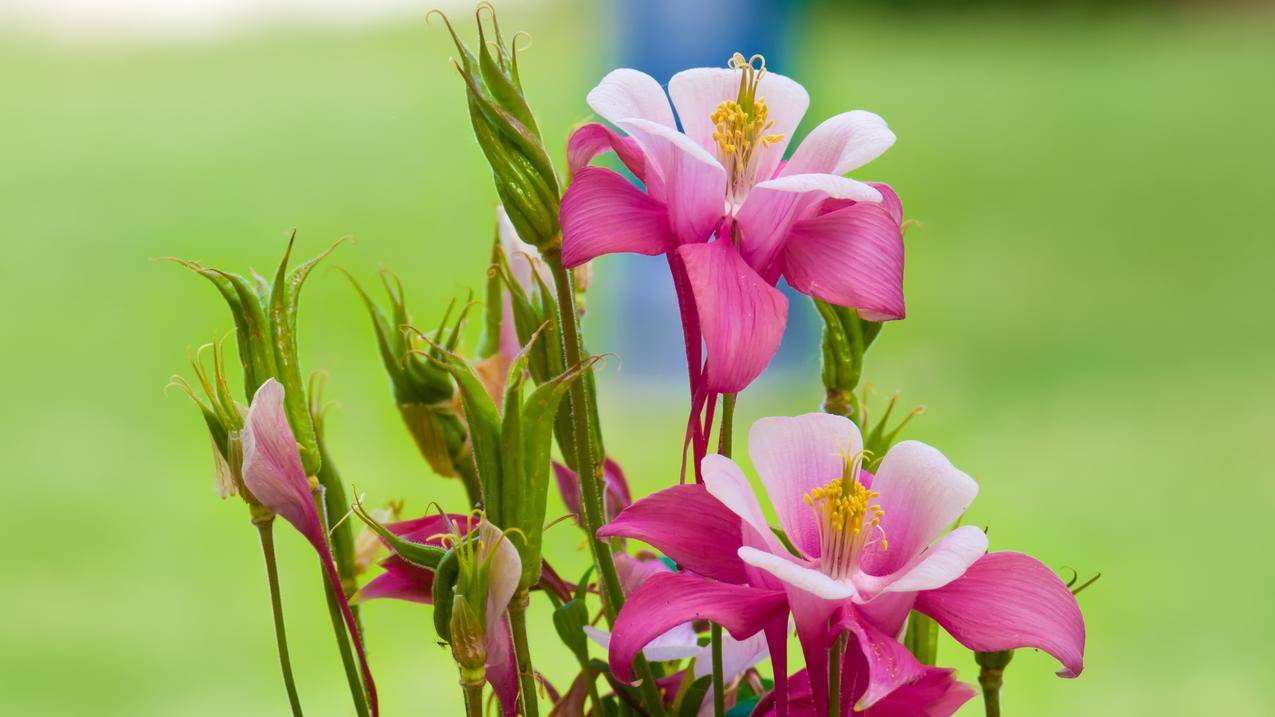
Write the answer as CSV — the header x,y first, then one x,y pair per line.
x,y
1090,301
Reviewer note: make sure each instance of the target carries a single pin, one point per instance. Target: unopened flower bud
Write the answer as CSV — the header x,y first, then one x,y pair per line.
x,y
508,133
368,547
469,642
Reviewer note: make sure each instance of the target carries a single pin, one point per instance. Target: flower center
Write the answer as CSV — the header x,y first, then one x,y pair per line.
x,y
847,517
741,127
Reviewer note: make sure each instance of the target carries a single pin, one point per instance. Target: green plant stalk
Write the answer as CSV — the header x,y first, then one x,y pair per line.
x,y
522,651
835,655
991,677
343,637
468,476
589,472
266,530
725,433
474,700
341,537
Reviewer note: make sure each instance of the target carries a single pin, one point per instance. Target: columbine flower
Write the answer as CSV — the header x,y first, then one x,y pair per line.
x,y
831,237
403,580
858,553
272,472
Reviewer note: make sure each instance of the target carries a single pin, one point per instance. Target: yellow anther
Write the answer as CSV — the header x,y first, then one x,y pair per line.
x,y
847,516
742,125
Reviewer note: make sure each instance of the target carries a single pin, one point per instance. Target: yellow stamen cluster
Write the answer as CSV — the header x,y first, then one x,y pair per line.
x,y
847,516
742,125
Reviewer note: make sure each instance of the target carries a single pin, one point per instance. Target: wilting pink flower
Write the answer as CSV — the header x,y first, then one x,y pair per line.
x,y
615,498
831,237
272,471
681,641
404,581
936,693
864,555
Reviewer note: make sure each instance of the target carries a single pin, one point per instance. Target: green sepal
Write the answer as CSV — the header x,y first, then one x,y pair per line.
x,y
484,426
445,575
846,338
418,554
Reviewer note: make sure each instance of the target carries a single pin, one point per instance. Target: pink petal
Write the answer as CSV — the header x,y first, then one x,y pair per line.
x,y
617,496
922,493
689,526
628,94
889,664
272,467
400,581
851,257
888,612
679,643
889,200
635,571
793,457
687,179
427,528
697,92
774,206
742,318
593,139
1010,600
942,562
602,213
805,577
811,616
726,482
502,668
937,693
841,144
668,600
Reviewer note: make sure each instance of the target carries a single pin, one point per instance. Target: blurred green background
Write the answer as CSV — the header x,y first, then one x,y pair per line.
x,y
1090,303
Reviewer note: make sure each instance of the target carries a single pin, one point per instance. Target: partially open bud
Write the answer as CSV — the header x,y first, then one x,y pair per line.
x,y
368,545
508,133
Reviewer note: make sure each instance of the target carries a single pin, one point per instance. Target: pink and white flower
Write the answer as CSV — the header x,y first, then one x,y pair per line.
x,y
862,552
831,237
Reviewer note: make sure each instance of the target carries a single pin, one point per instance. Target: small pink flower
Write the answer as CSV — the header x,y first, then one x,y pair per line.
x,y
936,693
831,237
866,550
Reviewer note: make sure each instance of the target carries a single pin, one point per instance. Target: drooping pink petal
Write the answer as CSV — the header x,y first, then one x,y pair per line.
x,y
679,642
688,525
400,581
851,257
690,183
937,693
794,572
890,201
922,493
889,664
697,92
428,529
501,667
774,206
634,571
668,600
1010,600
888,612
272,468
272,471
795,455
742,318
811,615
841,144
629,94
593,139
603,213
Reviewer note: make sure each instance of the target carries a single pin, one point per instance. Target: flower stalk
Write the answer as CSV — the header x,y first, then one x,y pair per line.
x,y
991,676
265,528
522,652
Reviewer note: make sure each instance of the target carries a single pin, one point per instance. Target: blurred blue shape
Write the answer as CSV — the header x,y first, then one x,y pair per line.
x,y
661,38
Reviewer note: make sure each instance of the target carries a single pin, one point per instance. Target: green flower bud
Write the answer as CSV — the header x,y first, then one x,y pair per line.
x,y
508,133
468,641
846,338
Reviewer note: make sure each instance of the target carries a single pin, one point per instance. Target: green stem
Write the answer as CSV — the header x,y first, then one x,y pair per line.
x,y
590,471
474,700
834,675
266,530
352,675
725,433
991,699
719,687
522,651
991,676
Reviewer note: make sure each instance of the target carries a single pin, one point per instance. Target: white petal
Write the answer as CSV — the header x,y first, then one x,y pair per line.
x,y
799,576
628,94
